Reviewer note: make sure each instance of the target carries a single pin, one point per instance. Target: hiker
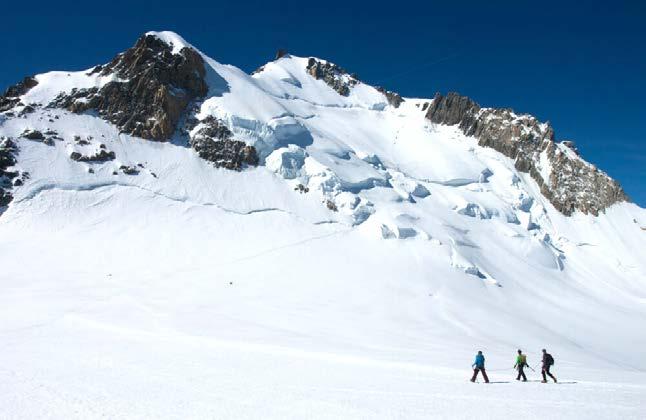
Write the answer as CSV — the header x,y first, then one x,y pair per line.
x,y
548,361
478,366
521,362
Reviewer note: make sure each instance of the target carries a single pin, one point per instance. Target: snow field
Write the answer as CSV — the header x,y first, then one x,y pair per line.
x,y
353,274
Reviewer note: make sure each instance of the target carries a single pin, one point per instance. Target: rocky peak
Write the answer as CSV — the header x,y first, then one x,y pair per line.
x,y
153,89
151,58
569,182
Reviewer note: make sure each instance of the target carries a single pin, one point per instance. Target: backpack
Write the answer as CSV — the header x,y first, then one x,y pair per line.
x,y
549,359
523,360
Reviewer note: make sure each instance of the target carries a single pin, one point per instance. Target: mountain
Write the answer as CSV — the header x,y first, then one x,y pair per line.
x,y
165,216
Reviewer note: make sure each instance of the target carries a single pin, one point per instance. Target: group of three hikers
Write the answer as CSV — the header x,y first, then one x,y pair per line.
x,y
521,363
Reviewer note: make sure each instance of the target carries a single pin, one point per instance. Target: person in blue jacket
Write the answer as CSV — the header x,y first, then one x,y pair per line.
x,y
479,365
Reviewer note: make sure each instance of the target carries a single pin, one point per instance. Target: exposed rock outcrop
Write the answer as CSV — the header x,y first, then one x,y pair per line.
x,y
11,97
36,135
301,189
331,205
129,170
335,77
102,155
394,98
5,197
571,184
7,159
213,142
158,86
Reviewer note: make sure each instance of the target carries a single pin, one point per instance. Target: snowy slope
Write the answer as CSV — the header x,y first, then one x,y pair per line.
x,y
189,291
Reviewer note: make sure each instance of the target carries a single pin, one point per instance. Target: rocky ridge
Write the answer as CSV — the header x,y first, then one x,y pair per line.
x,y
341,81
567,181
334,76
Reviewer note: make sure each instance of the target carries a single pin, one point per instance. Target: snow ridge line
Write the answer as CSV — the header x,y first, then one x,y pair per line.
x,y
102,185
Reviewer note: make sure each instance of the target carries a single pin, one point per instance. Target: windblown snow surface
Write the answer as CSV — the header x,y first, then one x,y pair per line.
x,y
200,292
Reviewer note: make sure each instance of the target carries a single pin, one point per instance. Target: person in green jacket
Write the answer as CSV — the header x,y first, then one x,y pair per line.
x,y
521,362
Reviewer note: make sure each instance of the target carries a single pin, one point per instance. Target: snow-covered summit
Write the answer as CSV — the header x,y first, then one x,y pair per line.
x,y
358,155
172,39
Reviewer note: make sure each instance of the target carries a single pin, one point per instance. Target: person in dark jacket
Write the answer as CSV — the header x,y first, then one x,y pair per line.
x,y
521,362
548,361
478,366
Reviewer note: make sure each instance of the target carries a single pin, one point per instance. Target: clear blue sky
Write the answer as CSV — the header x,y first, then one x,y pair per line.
x,y
580,66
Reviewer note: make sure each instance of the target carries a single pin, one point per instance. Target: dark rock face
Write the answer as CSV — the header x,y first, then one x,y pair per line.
x,y
5,198
7,158
573,184
394,98
7,150
213,142
452,109
159,87
335,77
12,95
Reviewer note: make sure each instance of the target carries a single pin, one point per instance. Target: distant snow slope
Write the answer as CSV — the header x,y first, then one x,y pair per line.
x,y
188,291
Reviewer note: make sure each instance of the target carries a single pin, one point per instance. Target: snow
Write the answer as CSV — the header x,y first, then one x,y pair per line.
x,y
52,83
172,39
544,167
193,292
571,154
